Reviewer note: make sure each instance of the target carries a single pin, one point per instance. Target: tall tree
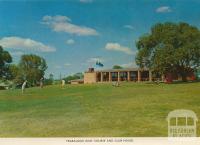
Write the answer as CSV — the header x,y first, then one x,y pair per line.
x,y
32,68
5,59
13,71
170,47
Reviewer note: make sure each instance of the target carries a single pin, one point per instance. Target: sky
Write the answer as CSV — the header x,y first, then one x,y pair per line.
x,y
73,34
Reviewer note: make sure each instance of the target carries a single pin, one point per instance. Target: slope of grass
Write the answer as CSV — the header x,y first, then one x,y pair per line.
x,y
133,109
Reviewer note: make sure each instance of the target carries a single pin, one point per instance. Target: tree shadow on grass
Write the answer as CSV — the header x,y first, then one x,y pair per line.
x,y
174,82
185,82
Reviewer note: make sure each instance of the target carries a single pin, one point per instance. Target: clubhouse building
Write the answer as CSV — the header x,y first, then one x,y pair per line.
x,y
130,75
111,75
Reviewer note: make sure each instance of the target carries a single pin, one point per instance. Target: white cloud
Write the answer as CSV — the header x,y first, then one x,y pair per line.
x,y
57,18
95,59
118,47
67,64
63,24
86,1
90,62
129,27
62,66
163,9
25,43
70,41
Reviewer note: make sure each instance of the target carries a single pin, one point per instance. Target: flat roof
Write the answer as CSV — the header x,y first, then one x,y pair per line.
x,y
121,70
77,80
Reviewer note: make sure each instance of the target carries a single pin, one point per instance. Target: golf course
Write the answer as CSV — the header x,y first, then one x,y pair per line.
x,y
99,110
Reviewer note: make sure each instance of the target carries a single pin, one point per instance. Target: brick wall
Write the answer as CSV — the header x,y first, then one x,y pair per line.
x,y
89,77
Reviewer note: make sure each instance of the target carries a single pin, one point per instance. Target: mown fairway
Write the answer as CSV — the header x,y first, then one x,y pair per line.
x,y
133,109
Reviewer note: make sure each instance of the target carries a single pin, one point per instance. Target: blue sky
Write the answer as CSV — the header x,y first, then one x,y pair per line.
x,y
72,34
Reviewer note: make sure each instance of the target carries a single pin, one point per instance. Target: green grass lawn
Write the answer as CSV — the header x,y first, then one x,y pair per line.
x,y
133,109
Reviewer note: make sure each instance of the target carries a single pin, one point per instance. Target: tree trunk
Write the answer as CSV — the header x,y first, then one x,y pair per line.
x,y
184,77
183,72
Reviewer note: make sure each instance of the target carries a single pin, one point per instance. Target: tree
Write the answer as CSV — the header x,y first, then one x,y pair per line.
x,y
74,77
32,68
170,48
117,67
13,71
197,74
79,75
5,60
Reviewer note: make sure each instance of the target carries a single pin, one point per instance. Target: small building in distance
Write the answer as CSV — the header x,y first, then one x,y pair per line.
x,y
110,75
77,81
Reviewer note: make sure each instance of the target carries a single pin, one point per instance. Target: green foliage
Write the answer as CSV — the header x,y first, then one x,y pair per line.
x,y
32,68
170,48
13,71
5,84
197,73
5,59
73,77
117,67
